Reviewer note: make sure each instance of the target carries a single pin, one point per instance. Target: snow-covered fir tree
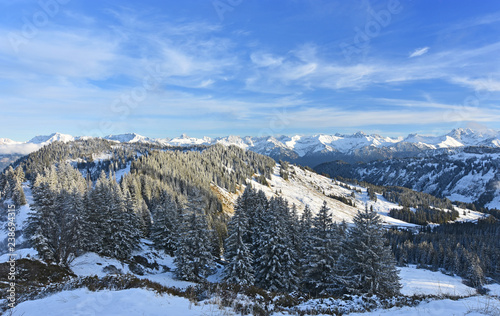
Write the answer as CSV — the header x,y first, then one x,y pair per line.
x,y
119,228
11,185
276,268
321,255
367,265
165,224
193,258
55,224
239,268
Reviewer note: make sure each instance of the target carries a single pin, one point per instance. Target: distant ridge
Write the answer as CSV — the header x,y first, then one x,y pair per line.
x,y
299,146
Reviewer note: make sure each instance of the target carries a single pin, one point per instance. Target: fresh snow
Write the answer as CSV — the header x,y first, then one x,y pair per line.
x,y
45,140
302,183
122,172
92,264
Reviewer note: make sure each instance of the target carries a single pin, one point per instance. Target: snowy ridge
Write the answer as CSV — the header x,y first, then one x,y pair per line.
x,y
466,176
300,145
308,188
45,140
129,138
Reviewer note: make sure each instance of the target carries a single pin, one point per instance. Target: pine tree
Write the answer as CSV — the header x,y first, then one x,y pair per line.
x,y
475,273
42,219
368,265
55,222
306,233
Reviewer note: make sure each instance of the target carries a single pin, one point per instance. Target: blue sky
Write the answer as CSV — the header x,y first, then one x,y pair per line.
x,y
241,67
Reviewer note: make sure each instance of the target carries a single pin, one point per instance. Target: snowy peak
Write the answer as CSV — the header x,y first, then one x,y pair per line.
x,y
44,140
470,137
6,141
129,138
433,142
185,140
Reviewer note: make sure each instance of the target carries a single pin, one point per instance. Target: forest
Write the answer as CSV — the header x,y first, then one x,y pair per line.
x,y
168,197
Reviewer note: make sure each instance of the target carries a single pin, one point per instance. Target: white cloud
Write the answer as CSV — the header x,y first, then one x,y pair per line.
x,y
22,149
265,59
419,52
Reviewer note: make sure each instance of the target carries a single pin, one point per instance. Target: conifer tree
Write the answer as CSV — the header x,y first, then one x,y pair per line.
x,y
193,259
321,256
166,224
276,268
368,265
239,269
120,232
55,223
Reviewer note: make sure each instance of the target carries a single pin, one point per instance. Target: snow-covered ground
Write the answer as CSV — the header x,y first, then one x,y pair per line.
x,y
472,306
144,302
426,282
114,303
309,188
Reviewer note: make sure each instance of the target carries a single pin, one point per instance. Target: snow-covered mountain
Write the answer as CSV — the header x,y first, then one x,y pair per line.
x,y
130,138
45,140
469,174
307,149
6,141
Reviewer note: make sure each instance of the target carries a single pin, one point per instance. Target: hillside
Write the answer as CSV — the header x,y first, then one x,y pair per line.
x,y
139,189
467,175
434,288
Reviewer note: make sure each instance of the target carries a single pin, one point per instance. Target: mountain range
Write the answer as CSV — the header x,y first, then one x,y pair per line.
x,y
305,150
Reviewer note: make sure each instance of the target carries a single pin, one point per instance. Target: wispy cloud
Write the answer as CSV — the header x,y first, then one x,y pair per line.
x,y
215,76
419,52
482,84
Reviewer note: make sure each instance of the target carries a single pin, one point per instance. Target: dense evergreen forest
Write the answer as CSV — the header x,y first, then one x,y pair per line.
x,y
169,196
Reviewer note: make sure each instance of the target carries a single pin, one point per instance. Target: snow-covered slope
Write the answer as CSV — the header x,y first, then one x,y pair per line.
x,y
469,175
304,187
140,301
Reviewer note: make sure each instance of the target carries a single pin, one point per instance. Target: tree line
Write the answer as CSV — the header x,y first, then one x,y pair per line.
x,y
470,250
